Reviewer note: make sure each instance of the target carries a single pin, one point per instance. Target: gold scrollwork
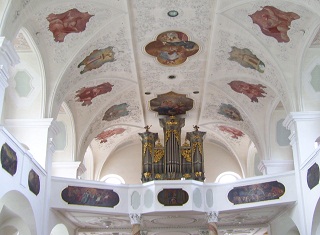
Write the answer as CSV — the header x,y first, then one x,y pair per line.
x,y
195,145
147,174
158,155
198,174
147,146
150,138
175,132
186,176
186,153
157,176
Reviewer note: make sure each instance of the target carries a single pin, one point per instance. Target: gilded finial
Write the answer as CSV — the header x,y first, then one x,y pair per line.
x,y
147,128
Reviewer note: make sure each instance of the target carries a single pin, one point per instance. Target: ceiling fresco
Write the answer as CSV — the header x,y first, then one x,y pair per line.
x,y
117,66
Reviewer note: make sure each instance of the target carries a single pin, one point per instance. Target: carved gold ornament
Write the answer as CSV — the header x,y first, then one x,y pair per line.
x,y
147,146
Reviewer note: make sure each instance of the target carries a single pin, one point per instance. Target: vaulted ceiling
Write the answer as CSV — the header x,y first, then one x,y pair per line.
x,y
105,61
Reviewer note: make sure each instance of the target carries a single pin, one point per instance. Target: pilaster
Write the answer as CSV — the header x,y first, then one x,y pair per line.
x,y
8,58
212,218
135,220
305,129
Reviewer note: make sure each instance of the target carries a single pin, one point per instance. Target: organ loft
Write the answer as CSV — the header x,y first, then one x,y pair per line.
x,y
172,160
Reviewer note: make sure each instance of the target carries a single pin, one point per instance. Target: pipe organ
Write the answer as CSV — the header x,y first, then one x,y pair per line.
x,y
172,160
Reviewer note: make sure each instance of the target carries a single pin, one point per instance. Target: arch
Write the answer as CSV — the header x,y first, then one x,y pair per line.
x,y
59,229
85,170
17,208
316,219
27,86
9,230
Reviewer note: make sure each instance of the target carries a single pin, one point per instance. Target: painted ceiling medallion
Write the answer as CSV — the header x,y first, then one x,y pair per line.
x,y
171,104
274,22
172,48
72,21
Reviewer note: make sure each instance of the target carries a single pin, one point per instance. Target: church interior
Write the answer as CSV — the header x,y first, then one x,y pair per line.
x,y
160,117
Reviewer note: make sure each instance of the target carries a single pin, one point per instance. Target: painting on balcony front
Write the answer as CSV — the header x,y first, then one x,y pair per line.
x,y
313,176
9,159
173,197
90,196
256,192
34,182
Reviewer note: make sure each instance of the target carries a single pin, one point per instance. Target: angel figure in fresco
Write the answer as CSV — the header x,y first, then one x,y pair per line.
x,y
235,133
229,111
253,91
86,94
97,58
72,21
103,136
247,59
274,22
116,111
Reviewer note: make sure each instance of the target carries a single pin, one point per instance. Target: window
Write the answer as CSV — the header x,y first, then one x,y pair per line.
x,y
227,177
113,179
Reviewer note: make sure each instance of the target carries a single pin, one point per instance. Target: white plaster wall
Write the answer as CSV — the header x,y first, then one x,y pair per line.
x,y
16,107
218,160
67,154
278,152
310,98
125,162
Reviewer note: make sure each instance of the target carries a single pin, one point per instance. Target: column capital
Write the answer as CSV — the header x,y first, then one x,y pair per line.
x,y
212,216
135,218
300,116
204,232
268,167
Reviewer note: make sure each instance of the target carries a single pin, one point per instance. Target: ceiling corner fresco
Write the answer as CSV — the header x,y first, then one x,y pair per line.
x,y
233,132
104,135
172,48
87,94
71,21
274,22
253,91
246,58
230,112
97,58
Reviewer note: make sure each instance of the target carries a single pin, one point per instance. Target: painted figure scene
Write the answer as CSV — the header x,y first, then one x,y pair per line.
x,y
173,197
90,196
172,48
256,192
9,159
71,21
